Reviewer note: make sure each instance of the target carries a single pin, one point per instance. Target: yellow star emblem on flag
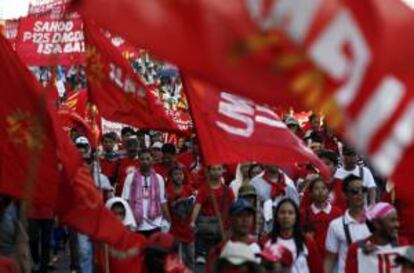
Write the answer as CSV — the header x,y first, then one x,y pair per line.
x,y
94,65
23,128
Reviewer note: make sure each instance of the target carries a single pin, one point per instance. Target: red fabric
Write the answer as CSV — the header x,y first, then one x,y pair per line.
x,y
131,263
8,265
226,122
109,168
28,146
207,208
39,211
373,51
351,264
116,89
277,188
314,257
185,158
319,223
404,202
126,166
180,228
40,42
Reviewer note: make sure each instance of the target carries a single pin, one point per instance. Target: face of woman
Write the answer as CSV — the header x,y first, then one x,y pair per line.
x,y
286,216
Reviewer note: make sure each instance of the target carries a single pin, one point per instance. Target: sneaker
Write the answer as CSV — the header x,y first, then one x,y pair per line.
x,y
200,260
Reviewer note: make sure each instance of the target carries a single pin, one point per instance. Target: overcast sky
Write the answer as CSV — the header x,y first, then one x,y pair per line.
x,y
10,9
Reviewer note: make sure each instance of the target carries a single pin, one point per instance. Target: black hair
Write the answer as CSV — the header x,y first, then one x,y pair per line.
x,y
175,168
350,178
370,226
169,148
252,166
329,155
110,135
126,130
315,137
118,204
144,151
313,182
298,235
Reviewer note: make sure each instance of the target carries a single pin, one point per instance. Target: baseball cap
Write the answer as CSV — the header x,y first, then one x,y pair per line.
x,y
291,121
247,190
237,253
157,145
241,205
81,141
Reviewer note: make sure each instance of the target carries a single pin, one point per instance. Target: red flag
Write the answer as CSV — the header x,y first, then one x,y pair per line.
x,y
361,46
115,88
28,146
32,147
235,129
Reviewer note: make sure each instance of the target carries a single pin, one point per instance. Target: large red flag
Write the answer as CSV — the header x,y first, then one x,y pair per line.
x,y
116,89
28,147
233,129
360,46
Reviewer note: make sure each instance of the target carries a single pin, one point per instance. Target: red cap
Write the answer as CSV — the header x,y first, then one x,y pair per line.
x,y
278,254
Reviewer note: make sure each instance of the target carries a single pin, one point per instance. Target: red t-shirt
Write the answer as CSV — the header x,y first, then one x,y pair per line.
x,y
126,166
180,227
109,168
163,170
205,200
319,224
186,159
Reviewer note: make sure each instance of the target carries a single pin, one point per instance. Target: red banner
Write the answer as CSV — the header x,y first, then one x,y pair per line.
x,y
360,46
117,91
51,42
234,129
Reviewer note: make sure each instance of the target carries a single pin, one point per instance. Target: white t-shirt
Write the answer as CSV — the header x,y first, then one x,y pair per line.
x,y
147,224
336,238
368,178
300,264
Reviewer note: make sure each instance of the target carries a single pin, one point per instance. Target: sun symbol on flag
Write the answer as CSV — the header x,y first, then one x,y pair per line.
x,y
94,65
24,128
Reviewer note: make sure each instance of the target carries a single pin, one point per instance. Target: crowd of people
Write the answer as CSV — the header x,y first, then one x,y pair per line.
x,y
246,217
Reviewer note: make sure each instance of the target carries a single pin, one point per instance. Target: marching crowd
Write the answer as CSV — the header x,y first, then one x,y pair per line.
x,y
249,217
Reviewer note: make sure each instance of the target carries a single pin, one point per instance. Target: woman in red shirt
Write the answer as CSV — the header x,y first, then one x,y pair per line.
x,y
317,216
180,200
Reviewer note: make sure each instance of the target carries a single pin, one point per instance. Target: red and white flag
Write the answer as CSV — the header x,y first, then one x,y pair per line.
x,y
234,129
351,59
117,90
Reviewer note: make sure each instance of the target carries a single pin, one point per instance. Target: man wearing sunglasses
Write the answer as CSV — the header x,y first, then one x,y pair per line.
x,y
348,228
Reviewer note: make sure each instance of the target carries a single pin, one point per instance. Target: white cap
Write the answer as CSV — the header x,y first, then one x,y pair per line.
x,y
237,253
157,145
82,140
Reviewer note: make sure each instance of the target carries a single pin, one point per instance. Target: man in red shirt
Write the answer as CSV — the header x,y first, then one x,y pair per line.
x,y
180,203
109,159
211,212
128,164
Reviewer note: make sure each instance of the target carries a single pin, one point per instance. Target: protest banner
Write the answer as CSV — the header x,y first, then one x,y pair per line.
x,y
47,42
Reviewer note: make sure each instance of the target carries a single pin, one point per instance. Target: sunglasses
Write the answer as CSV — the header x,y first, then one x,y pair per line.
x,y
357,191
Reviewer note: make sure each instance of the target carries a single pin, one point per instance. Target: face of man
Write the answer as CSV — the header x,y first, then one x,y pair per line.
x,y
177,177
245,170
389,226
355,194
272,169
132,147
350,160
286,216
215,172
256,171
316,146
125,138
331,166
108,144
146,161
242,223
168,159
156,155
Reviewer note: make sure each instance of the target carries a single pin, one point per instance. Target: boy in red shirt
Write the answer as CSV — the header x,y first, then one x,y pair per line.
x,y
211,212
180,201
128,164
316,218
